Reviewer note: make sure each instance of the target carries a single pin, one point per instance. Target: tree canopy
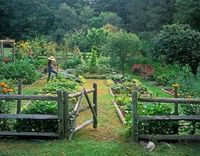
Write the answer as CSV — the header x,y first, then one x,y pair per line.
x,y
179,43
22,19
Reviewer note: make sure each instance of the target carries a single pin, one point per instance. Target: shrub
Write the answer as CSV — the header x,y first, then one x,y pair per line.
x,y
143,70
164,73
73,62
179,43
19,70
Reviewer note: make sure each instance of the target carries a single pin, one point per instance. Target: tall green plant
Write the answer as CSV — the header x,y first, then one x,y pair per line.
x,y
93,61
121,46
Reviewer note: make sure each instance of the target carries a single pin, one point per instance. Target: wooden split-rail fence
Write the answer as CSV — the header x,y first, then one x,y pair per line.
x,y
176,117
66,119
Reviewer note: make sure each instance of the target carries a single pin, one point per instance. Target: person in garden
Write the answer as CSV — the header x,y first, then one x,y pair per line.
x,y
51,68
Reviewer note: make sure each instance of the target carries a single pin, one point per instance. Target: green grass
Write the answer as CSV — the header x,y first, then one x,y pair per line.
x,y
154,89
35,88
91,148
107,140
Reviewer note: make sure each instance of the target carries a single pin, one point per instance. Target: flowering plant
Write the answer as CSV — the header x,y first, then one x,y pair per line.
x,y
5,89
143,69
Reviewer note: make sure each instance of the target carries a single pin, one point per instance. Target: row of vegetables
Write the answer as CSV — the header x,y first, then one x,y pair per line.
x,y
122,88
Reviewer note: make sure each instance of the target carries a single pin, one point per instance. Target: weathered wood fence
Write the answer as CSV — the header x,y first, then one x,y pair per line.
x,y
176,117
66,119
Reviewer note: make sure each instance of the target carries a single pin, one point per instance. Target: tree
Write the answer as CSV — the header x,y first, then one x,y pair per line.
x,y
115,6
66,19
137,15
179,43
86,40
160,12
5,12
107,18
30,18
121,46
188,12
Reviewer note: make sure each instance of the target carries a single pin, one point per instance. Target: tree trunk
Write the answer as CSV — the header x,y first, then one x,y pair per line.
x,y
123,68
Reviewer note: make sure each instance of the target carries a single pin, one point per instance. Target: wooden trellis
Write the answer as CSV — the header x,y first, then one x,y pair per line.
x,y
10,42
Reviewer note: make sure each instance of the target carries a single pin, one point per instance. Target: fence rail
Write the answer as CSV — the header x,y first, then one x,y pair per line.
x,y
29,97
136,118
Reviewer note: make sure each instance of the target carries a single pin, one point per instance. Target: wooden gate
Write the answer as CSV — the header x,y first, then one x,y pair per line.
x,y
70,126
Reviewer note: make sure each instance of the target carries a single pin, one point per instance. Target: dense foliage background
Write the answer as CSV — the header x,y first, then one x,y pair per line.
x,y
23,19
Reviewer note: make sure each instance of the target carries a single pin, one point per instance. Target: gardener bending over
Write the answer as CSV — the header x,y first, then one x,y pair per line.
x,y
51,67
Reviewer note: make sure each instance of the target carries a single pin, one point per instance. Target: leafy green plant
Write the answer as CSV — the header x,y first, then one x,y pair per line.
x,y
152,127
62,84
35,47
189,85
128,87
73,62
19,70
39,107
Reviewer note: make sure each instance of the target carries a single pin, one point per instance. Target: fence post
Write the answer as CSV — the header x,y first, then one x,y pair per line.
x,y
95,105
176,107
134,117
60,114
19,93
66,115
175,96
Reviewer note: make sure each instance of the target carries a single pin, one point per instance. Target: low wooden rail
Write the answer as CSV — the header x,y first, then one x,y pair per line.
x,y
66,119
17,116
136,118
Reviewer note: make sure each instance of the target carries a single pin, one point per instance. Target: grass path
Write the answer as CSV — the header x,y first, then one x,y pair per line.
x,y
36,87
109,126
